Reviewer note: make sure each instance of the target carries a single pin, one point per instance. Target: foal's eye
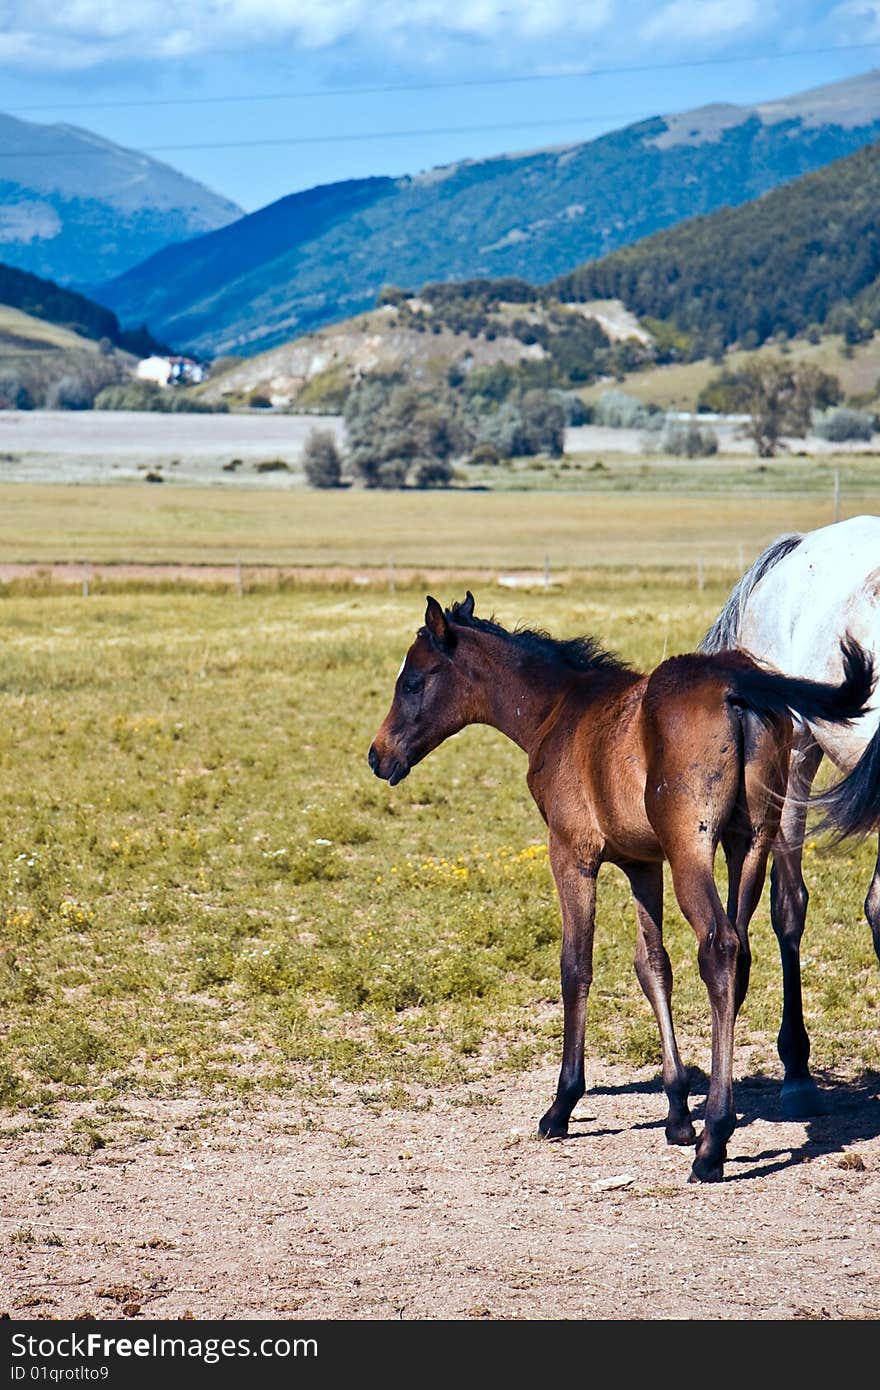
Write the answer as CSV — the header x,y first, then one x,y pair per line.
x,y
412,685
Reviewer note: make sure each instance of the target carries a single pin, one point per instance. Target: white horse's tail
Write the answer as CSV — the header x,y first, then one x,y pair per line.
x,y
852,805
724,632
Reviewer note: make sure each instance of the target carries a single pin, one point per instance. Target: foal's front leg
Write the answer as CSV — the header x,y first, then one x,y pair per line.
x,y
576,885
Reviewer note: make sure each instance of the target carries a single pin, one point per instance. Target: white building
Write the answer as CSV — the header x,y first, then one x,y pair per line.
x,y
170,371
155,369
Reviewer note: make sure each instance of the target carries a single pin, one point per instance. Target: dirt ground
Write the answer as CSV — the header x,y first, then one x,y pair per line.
x,y
338,1207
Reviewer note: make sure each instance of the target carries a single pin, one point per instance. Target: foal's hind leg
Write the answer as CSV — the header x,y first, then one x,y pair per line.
x,y
788,912
721,962
751,829
655,977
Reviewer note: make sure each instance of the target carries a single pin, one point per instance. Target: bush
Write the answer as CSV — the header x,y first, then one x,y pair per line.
x,y
500,381
14,394
134,395
392,427
844,423
432,473
392,294
392,473
856,331
493,383
179,402
485,453
321,460
529,423
687,439
543,423
502,430
618,411
10,1086
146,395
257,401
577,412
70,393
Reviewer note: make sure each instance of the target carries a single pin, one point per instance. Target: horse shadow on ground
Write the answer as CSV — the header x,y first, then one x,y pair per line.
x,y
851,1114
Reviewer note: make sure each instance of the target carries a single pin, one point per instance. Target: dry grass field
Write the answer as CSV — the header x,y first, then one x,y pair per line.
x,y
446,530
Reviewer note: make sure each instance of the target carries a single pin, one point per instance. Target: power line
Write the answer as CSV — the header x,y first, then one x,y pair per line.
x,y
326,139
572,74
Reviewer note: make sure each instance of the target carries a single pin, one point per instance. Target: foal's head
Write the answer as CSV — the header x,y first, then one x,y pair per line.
x,y
434,696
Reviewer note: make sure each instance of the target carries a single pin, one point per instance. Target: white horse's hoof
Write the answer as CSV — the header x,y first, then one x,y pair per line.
x,y
801,1100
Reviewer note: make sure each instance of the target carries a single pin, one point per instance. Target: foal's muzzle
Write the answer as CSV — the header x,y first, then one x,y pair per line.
x,y
391,770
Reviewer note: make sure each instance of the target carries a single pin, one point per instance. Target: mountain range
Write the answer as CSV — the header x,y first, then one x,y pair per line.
x,y
76,208
802,261
317,257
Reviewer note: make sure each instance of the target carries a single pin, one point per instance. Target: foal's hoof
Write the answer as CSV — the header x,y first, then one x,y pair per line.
x,y
706,1172
681,1132
550,1128
706,1168
801,1100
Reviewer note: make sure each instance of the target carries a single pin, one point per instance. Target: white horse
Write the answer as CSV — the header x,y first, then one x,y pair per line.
x,y
792,608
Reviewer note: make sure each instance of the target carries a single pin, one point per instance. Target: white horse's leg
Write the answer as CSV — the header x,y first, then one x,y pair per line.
x,y
788,912
872,904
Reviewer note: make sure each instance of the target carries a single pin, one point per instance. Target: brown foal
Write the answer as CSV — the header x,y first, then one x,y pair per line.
x,y
629,769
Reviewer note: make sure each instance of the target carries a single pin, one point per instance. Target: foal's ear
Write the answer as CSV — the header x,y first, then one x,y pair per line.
x,y
438,627
466,609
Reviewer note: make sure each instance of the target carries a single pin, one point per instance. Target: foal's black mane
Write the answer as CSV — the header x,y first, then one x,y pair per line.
x,y
577,653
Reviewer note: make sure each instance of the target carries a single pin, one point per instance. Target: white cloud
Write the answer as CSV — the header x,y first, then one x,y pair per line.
x,y
77,33
704,19
23,49
859,18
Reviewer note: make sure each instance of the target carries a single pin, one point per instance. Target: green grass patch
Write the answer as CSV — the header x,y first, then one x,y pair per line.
x,y
203,885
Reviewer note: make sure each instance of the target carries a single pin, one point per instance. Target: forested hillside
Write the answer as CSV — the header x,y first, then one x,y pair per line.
x,y
803,257
43,299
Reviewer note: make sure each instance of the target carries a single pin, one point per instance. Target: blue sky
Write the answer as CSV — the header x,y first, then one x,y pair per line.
x,y
259,98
